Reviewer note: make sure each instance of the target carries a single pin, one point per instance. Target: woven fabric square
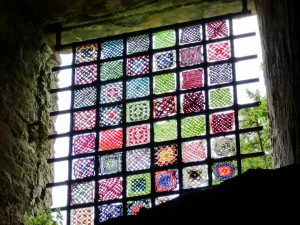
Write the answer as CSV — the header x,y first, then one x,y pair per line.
x,y
164,83
191,56
218,51
166,180
163,107
164,60
85,97
85,74
86,53
111,163
112,92
217,29
220,98
224,170
110,189
195,176
111,49
223,147
164,39
83,216
220,74
192,79
85,119
166,155
193,126
139,43
222,122
165,131
111,70
193,102
111,115
193,151
138,159
139,184
84,144
107,212
133,207
137,111
138,65
138,135
111,139
84,168
190,34
137,88
82,193
164,199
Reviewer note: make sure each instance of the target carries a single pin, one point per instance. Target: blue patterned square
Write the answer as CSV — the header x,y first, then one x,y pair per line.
x,y
112,49
164,60
107,212
137,88
110,116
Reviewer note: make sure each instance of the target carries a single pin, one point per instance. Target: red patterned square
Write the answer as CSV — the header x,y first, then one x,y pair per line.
x,y
138,135
85,119
164,107
84,216
84,144
111,139
193,151
217,29
193,102
218,51
192,79
110,189
222,122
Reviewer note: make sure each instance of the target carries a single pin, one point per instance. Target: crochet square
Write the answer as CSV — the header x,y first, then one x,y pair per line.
x,y
218,51
223,147
220,98
111,70
191,79
164,199
194,177
191,56
111,139
164,39
193,126
111,49
84,168
164,60
163,107
192,102
84,119
109,211
86,53
217,29
83,216
166,180
137,111
139,43
111,115
138,65
112,92
138,159
137,88
165,130
133,207
223,171
85,97
110,189
139,184
222,122
84,144
109,164
138,135
190,34
82,193
164,83
166,155
220,74
85,74
194,151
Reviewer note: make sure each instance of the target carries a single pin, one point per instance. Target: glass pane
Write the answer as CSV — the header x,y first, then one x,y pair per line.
x,y
190,34
222,122
110,189
223,170
218,51
193,126
112,92
165,130
85,74
59,196
223,146
138,135
166,155
111,49
138,159
110,211
220,74
82,193
195,176
84,143
217,29
83,167
138,65
139,43
111,115
166,180
164,61
111,70
192,102
164,83
82,214
191,56
133,207
193,151
164,39
137,88
191,79
163,107
85,119
85,97
111,139
86,53
137,111
139,184
219,98
109,164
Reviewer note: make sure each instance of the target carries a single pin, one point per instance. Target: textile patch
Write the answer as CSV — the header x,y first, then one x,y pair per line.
x,y
85,97
139,43
133,207
86,53
139,184
84,144
85,74
193,102
195,176
192,79
164,107
107,212
111,139
193,126
85,119
220,98
82,193
164,60
217,29
164,199
222,122
163,39
138,65
223,147
83,216
220,74
224,170
193,151
191,56
137,111
190,34
84,168
166,180
112,92
165,131
164,83
110,116
218,51
111,70
138,135
110,189
112,49
138,159
111,163
166,155
137,88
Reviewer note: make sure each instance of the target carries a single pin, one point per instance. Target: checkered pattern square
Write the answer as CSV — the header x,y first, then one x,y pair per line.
x,y
111,70
139,43
137,111
82,193
218,51
222,122
191,56
193,126
220,98
217,29
138,65
164,83
86,53
138,135
83,216
165,130
190,34
166,180
220,74
164,107
112,92
193,102
137,88
84,168
107,212
164,39
111,163
193,151
195,176
110,189
84,144
138,159
85,74
164,60
85,119
166,155
111,139
138,184
133,207
111,115
111,49
85,97
192,79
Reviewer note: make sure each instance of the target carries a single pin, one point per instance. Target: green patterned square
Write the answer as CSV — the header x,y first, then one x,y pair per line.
x,y
220,98
164,83
111,70
137,111
164,39
165,131
193,126
139,184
